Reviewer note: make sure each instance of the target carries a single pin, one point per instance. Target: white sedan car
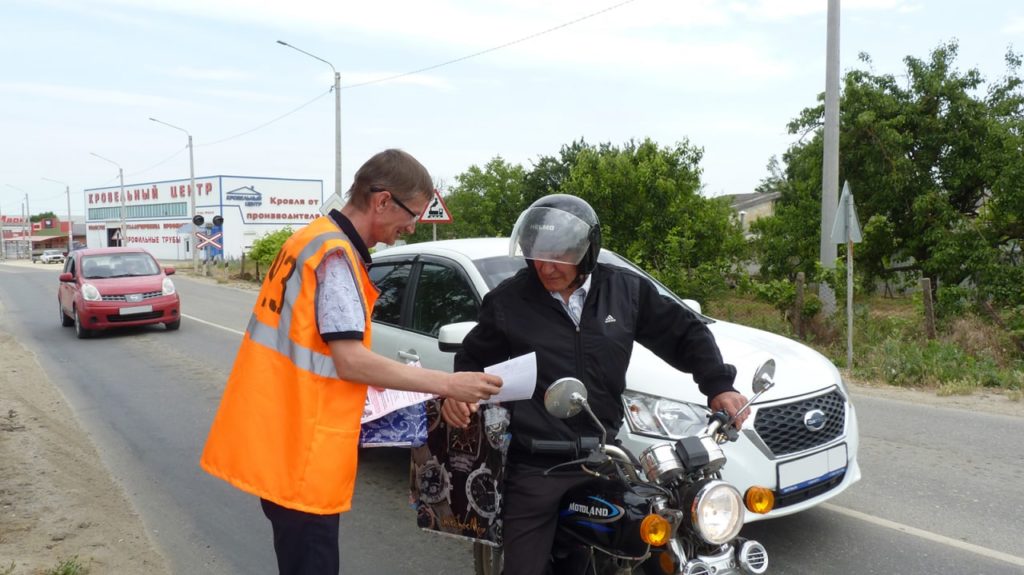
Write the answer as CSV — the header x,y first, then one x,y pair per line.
x,y
800,441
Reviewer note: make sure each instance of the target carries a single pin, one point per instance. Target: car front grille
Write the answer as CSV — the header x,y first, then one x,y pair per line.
x,y
145,296
782,427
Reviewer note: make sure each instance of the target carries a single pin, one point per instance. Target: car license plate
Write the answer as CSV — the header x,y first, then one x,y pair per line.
x,y
812,469
136,309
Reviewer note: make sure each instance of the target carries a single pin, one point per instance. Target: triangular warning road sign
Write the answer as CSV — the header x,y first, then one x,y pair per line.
x,y
436,212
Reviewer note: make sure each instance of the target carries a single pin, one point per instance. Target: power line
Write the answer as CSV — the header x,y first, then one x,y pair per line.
x,y
433,67
489,50
265,124
160,163
404,74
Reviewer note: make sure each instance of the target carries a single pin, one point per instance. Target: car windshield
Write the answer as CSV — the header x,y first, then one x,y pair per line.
x,y
497,269
51,252
119,265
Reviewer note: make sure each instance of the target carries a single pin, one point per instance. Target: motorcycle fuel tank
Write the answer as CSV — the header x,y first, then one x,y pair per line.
x,y
607,515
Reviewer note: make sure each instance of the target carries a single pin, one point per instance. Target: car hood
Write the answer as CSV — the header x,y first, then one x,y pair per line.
x,y
799,369
126,285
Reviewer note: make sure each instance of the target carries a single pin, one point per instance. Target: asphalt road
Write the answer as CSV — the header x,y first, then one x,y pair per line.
x,y
940,494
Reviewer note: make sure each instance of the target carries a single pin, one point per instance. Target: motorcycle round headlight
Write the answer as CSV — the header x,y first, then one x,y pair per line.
x,y
716,512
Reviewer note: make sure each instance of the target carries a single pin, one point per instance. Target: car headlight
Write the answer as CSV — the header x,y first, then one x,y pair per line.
x,y
716,511
660,417
90,293
168,286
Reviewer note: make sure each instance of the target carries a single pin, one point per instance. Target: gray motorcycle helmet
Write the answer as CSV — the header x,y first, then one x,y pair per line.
x,y
558,228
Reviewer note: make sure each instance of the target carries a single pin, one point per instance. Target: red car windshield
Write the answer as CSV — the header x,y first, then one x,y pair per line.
x,y
118,266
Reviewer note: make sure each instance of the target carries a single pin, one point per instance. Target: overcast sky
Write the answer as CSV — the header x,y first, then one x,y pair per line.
x,y
83,76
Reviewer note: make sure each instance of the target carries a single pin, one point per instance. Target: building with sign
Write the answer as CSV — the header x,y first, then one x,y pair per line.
x,y
158,215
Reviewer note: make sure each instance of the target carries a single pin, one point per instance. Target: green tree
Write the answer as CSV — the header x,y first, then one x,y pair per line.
x,y
935,164
265,249
648,198
484,203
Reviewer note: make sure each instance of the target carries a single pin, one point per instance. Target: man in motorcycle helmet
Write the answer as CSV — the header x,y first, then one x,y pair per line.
x,y
581,318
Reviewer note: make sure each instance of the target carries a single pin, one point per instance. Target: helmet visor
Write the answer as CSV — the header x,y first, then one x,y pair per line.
x,y
551,235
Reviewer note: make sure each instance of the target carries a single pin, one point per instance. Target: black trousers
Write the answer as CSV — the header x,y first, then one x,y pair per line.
x,y
305,543
530,515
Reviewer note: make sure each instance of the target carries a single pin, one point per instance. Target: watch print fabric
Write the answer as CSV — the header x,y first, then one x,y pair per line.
x,y
457,476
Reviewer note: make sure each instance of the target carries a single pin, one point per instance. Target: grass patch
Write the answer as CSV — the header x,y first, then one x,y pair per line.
x,y
890,346
68,567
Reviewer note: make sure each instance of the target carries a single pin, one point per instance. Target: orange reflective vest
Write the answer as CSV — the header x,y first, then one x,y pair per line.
x,y
287,428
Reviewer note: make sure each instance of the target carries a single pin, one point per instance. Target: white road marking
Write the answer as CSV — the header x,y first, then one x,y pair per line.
x,y
942,539
211,324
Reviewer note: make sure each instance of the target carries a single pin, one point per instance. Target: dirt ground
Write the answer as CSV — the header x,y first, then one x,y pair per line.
x,y
57,500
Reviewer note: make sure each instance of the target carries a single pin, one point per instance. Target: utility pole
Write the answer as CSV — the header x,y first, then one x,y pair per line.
x,y
3,244
830,161
71,225
192,192
120,175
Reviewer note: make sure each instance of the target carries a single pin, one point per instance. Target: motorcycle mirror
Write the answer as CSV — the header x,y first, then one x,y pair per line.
x,y
565,397
764,378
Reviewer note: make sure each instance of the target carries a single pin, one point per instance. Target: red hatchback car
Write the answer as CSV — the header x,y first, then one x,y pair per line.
x,y
103,288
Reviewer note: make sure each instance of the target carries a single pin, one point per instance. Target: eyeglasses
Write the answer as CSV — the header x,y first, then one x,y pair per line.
x,y
398,202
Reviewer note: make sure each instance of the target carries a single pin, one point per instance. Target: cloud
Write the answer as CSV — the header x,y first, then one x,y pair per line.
x,y
1014,26
86,95
217,74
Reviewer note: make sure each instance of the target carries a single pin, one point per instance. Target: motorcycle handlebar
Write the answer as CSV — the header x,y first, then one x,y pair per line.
x,y
577,448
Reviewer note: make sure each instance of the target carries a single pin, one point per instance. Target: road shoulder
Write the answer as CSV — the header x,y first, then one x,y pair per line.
x,y
57,499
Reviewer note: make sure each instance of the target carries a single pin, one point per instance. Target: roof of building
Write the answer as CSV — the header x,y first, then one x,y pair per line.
x,y
747,201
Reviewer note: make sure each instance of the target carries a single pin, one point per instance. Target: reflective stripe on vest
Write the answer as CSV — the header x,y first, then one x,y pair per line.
x,y
277,338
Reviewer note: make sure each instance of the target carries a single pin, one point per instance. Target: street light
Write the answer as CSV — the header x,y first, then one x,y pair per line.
x,y
337,116
27,222
71,225
3,244
120,175
192,191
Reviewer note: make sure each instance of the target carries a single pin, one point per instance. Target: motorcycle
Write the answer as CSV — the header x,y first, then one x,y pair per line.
x,y
666,512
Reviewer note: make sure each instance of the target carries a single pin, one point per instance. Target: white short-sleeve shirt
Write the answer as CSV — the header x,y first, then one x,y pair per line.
x,y
339,308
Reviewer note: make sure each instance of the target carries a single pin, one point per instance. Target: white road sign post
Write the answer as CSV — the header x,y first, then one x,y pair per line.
x,y
436,212
846,230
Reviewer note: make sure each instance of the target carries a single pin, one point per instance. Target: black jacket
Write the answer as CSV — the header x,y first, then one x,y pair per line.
x,y
520,316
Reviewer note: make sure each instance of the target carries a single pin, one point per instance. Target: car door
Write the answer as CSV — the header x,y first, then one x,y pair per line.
x,y
392,280
66,290
417,297
442,294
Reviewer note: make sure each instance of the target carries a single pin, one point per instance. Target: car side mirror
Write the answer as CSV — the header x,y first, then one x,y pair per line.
x,y
450,336
693,304
66,277
169,271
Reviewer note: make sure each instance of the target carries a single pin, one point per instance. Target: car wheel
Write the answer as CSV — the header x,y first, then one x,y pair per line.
x,y
173,325
65,321
80,331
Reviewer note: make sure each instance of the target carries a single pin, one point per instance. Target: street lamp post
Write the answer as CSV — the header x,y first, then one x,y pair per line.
x,y
3,244
71,225
337,116
120,175
27,228
192,191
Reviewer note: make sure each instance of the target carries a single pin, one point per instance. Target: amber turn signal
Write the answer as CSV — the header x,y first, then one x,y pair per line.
x,y
759,500
655,530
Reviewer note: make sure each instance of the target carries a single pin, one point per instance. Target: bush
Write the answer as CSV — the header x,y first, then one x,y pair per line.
x,y
265,249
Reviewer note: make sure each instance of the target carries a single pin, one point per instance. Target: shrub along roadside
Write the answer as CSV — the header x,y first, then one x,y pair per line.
x,y
890,346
